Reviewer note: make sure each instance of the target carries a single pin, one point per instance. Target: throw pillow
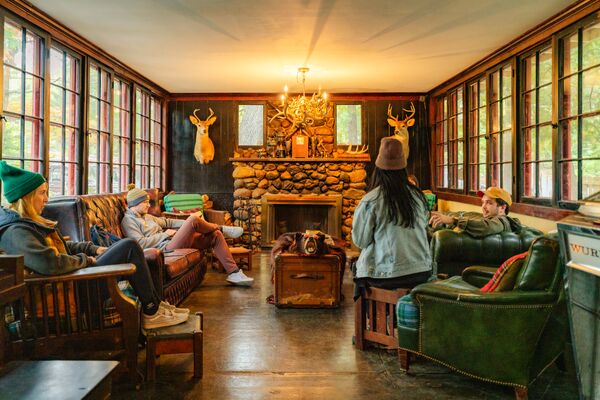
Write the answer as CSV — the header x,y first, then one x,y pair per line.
x,y
183,201
506,275
407,312
102,237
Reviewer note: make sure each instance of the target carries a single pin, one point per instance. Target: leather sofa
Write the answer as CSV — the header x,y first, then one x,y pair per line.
x,y
175,274
506,338
453,251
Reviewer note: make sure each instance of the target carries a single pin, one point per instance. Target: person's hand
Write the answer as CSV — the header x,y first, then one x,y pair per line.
x,y
171,232
101,250
91,260
438,218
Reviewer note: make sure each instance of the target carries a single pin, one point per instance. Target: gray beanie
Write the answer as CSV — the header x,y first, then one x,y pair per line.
x,y
136,196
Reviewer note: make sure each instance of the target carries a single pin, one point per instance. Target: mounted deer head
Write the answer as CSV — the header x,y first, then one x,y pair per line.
x,y
204,149
401,126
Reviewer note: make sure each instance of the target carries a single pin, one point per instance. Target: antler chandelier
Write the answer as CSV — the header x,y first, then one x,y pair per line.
x,y
304,111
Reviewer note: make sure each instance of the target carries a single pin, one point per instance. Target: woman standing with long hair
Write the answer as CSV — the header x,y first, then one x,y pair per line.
x,y
390,225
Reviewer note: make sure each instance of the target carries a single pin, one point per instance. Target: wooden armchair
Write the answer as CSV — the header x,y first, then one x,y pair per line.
x,y
69,316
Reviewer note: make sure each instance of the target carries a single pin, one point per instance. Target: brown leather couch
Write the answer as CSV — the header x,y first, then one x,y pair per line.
x,y
175,274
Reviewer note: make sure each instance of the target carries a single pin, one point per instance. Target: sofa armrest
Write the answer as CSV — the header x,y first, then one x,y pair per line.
x,y
478,276
156,264
100,272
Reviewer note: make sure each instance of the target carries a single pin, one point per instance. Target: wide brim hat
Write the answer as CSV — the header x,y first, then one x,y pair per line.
x,y
391,155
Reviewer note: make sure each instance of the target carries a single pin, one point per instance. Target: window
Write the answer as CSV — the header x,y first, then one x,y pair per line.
x,y
63,144
477,135
149,147
251,124
121,155
156,143
348,124
99,105
449,130
536,124
22,143
579,117
500,146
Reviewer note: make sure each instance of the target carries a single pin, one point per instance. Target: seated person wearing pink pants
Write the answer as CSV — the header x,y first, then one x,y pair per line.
x,y
196,233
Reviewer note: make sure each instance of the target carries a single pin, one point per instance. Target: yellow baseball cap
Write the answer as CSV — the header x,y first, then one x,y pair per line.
x,y
496,193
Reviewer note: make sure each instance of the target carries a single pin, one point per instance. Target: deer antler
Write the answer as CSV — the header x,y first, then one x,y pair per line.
x,y
390,113
358,150
411,111
211,113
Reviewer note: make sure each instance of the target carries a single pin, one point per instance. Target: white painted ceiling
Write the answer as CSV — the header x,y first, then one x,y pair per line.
x,y
256,46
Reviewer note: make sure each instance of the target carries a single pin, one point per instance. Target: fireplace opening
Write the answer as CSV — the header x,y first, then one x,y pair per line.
x,y
298,213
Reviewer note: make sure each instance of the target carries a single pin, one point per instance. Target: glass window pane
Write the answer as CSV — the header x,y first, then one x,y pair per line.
x,y
545,76
529,177
348,124
529,142
507,146
33,96
70,179
590,137
56,104
590,177
507,177
495,148
495,117
56,67
93,113
482,93
495,87
569,180
72,109
590,91
570,98
72,73
506,113
13,90
93,146
33,54
55,145
94,78
545,110
104,116
571,54
55,179
506,81
70,145
590,40
545,180
482,121
104,85
545,139
92,178
13,45
529,108
32,139
482,150
529,71
11,137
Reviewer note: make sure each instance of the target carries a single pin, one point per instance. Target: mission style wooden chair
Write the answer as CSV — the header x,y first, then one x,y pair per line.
x,y
78,315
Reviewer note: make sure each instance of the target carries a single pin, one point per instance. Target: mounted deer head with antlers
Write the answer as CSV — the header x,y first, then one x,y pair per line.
x,y
204,149
401,126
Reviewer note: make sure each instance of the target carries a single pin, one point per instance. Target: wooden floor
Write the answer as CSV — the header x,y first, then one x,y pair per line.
x,y
255,351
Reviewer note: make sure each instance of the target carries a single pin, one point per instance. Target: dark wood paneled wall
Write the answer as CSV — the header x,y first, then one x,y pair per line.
x,y
214,179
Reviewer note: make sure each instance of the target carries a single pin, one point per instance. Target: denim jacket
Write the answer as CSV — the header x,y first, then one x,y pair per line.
x,y
388,250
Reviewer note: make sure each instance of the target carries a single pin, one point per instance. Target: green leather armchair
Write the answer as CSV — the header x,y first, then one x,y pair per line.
x,y
453,251
507,338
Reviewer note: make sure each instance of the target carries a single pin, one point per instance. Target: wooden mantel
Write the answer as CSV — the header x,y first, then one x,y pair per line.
x,y
365,158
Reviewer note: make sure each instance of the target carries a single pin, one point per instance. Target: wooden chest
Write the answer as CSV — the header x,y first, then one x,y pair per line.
x,y
307,282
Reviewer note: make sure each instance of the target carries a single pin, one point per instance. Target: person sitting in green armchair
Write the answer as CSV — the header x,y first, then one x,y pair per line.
x,y
495,204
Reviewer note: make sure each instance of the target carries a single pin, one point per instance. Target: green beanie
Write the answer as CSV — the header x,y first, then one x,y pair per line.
x,y
17,182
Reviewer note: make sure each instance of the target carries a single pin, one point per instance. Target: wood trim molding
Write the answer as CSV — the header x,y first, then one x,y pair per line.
x,y
275,96
550,213
68,37
529,39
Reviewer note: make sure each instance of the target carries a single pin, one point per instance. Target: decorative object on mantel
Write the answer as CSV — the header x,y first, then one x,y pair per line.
x,y
590,206
401,126
204,149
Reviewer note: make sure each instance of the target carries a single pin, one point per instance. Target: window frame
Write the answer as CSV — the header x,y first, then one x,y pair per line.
x,y
129,151
480,135
236,121
536,200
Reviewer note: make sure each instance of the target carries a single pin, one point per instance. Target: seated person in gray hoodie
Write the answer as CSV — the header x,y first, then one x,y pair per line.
x,y
389,226
24,231
170,234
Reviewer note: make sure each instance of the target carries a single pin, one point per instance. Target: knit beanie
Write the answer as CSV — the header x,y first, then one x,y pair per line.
x,y
17,182
391,155
136,196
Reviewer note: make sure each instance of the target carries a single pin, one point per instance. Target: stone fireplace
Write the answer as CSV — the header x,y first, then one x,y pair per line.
x,y
308,193
282,213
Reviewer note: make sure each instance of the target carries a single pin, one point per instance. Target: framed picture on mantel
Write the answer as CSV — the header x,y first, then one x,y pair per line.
x,y
299,146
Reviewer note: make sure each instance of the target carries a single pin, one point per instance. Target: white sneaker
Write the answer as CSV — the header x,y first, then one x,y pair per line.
x,y
232,232
176,310
240,279
163,317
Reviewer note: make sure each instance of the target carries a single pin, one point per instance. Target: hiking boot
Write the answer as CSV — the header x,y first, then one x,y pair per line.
x,y
163,317
240,279
176,310
232,232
